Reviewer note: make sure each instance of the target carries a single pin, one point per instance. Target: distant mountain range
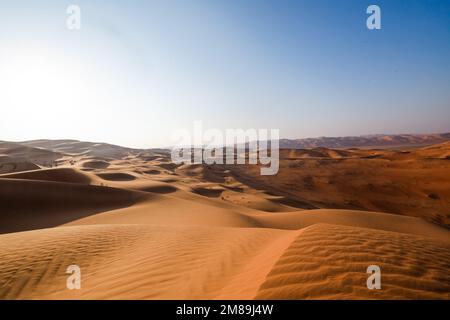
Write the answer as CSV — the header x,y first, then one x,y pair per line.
x,y
43,151
372,141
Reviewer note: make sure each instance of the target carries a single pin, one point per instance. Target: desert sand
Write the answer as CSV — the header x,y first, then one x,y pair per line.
x,y
141,227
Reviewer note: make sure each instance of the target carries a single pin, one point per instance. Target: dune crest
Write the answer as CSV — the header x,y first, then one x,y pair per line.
x,y
142,227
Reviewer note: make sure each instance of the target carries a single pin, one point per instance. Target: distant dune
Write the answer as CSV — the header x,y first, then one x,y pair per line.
x,y
142,227
372,141
413,182
83,148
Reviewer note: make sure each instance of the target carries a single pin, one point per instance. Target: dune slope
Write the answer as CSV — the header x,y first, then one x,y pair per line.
x,y
142,227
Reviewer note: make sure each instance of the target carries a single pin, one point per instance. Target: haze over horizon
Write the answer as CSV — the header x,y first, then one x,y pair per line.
x,y
380,140
136,72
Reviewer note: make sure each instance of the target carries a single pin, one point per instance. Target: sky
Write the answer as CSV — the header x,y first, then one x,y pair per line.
x,y
138,70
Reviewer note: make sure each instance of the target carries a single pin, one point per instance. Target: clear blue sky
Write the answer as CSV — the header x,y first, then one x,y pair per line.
x,y
137,70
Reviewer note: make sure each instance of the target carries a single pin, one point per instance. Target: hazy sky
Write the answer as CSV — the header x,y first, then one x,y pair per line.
x,y
137,70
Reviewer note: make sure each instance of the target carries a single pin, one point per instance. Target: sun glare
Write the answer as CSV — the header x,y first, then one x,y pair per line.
x,y
42,82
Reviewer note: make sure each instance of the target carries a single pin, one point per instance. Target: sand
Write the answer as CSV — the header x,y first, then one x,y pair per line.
x,y
141,227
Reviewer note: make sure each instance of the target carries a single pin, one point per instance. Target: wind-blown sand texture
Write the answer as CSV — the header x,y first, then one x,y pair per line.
x,y
141,227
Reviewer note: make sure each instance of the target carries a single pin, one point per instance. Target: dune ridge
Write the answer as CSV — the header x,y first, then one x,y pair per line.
x,y
141,227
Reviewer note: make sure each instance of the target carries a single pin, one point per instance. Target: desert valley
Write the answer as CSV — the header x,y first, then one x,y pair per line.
x,y
142,227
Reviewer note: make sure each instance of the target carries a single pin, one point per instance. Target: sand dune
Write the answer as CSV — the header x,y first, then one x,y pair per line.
x,y
32,204
21,152
372,141
116,176
141,227
96,164
15,157
8,165
413,182
328,262
438,151
170,262
354,218
69,175
161,262
81,147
